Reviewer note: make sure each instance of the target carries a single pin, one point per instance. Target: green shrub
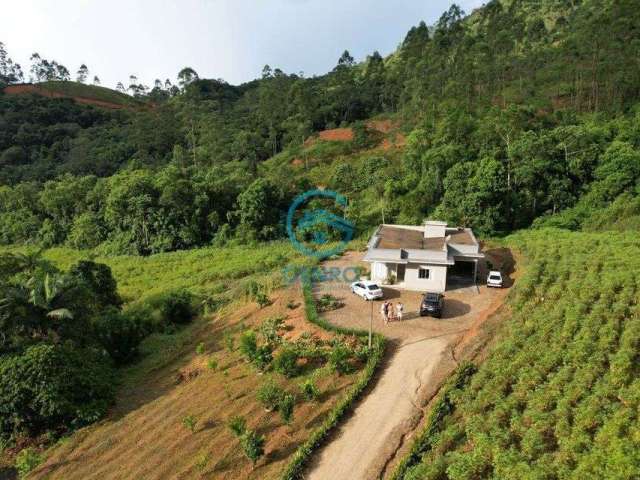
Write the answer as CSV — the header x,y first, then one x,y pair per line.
x,y
212,364
256,291
270,330
26,461
201,348
310,348
229,341
309,390
262,299
362,353
177,307
202,460
252,445
328,302
339,359
120,334
285,407
189,422
53,387
238,425
263,357
252,288
286,362
100,281
249,345
260,356
270,395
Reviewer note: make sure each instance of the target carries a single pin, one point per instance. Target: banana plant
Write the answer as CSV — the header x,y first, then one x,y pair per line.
x,y
45,290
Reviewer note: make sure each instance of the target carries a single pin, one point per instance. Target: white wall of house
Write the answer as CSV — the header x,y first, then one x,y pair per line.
x,y
379,271
436,281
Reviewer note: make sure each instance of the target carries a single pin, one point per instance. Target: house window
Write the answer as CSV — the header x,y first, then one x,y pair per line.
x,y
423,273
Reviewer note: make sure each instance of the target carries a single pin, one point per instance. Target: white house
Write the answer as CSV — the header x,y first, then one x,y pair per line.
x,y
421,257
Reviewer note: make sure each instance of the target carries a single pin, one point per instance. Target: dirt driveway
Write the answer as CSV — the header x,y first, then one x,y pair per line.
x,y
422,354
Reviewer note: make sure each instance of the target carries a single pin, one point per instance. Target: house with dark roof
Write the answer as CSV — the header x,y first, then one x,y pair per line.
x,y
423,258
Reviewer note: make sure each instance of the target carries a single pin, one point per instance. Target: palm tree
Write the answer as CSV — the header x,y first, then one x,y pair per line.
x,y
23,264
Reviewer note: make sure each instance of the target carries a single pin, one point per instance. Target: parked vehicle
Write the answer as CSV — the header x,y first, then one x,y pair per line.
x,y
432,304
367,290
494,279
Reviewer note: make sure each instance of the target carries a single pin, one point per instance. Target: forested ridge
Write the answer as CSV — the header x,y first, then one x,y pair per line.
x,y
511,113
521,114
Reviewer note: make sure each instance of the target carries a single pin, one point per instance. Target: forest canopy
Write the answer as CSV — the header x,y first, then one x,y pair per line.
x,y
512,114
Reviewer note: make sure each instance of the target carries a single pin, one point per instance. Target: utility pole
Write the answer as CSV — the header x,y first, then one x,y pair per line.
x,y
370,324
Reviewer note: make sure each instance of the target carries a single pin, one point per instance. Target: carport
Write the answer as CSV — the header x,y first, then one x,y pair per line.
x,y
464,271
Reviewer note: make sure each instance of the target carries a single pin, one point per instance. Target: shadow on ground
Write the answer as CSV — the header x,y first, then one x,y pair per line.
x,y
8,473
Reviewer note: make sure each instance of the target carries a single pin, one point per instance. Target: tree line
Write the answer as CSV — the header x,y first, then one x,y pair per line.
x,y
511,113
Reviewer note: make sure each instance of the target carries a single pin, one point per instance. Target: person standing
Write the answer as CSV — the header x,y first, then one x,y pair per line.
x,y
384,311
391,312
399,311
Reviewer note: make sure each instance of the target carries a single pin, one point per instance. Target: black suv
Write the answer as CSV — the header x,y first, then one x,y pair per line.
x,y
432,304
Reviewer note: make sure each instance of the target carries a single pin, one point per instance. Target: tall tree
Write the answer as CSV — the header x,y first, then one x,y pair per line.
x,y
10,72
186,76
82,73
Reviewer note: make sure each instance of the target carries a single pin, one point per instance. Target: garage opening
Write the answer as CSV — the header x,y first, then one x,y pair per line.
x,y
461,274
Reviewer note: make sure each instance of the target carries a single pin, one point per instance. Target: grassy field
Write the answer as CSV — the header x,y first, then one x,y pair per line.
x,y
558,396
205,271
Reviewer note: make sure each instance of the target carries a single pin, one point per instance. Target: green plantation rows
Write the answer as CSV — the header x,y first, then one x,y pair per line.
x,y
204,272
558,396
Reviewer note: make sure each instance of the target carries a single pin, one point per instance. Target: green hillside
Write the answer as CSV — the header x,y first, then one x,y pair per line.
x,y
82,93
91,92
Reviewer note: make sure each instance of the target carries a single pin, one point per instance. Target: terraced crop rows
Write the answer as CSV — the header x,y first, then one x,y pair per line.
x,y
559,395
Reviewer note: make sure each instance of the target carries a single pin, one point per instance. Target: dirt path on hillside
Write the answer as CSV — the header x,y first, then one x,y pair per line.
x,y
370,437
423,352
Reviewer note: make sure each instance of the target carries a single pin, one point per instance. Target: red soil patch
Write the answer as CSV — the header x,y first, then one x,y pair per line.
x,y
336,135
346,134
23,89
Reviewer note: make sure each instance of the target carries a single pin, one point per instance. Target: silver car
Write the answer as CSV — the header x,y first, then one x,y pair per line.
x,y
367,290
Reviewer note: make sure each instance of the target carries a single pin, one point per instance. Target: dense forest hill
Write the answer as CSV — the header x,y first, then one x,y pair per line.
x,y
513,112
